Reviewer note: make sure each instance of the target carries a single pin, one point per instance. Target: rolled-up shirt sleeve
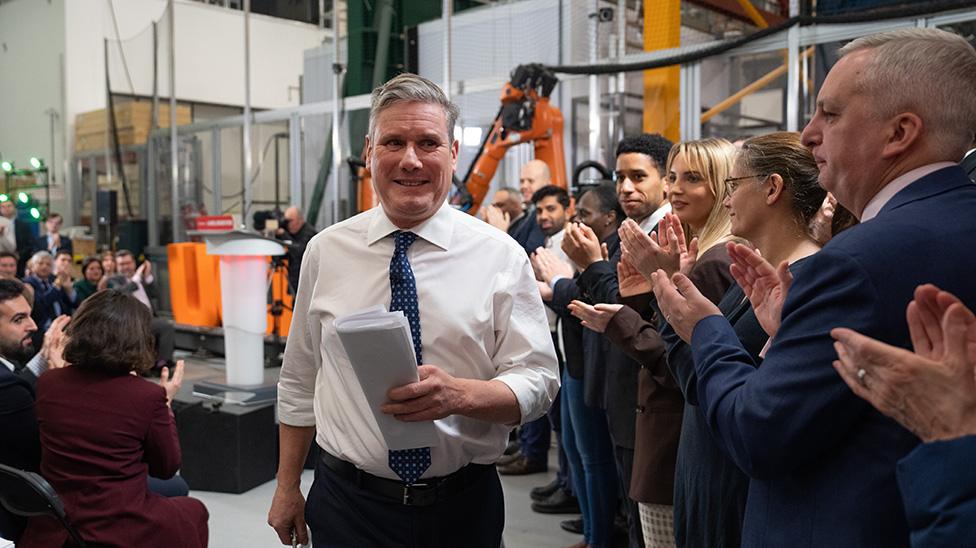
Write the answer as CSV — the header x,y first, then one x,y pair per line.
x,y
524,355
296,382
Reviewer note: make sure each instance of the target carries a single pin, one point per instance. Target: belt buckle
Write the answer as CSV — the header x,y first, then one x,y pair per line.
x,y
407,495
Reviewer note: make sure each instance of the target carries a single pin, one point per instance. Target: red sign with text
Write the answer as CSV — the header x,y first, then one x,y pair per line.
x,y
216,223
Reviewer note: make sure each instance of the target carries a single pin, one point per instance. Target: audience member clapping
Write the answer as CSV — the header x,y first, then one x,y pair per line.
x,y
53,294
103,430
932,392
92,273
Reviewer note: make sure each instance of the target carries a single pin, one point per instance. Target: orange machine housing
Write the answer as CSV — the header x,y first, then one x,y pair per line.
x,y
194,284
194,287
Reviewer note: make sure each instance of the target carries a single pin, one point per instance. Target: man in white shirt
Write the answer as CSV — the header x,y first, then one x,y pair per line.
x,y
140,282
488,361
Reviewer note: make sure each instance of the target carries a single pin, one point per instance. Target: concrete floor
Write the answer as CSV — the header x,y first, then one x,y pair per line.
x,y
240,521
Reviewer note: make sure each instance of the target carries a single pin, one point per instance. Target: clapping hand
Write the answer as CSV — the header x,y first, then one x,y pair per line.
x,y
547,266
54,340
171,384
630,282
595,318
765,286
665,249
681,303
581,245
931,392
497,218
821,226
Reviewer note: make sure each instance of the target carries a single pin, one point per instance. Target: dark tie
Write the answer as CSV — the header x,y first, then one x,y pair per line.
x,y
408,464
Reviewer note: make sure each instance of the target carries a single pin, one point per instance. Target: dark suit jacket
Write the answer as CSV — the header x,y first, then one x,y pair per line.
x,y
594,346
49,301
25,244
20,446
822,460
598,284
40,244
938,488
527,233
660,405
100,437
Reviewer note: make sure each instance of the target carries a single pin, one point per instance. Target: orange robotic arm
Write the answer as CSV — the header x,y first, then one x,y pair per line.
x,y
526,116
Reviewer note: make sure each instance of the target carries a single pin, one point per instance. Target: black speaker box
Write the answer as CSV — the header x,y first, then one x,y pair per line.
x,y
227,449
108,207
134,235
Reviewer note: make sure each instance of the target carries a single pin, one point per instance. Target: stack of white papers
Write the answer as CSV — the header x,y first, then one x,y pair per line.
x,y
380,350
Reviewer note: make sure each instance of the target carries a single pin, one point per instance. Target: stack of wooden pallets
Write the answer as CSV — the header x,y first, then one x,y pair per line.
x,y
133,119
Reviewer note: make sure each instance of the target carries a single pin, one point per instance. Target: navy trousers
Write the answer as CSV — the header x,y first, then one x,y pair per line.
x,y
342,515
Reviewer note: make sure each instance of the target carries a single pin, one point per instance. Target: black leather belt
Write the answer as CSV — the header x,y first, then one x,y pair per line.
x,y
425,492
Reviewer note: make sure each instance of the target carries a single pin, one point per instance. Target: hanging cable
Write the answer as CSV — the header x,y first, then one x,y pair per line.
x,y
118,38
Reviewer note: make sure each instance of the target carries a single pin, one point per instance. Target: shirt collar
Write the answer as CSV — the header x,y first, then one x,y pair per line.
x,y
897,185
9,365
650,223
436,230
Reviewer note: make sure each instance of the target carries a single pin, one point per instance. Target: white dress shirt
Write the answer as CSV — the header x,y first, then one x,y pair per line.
x,y
554,243
481,317
650,223
140,292
37,365
8,240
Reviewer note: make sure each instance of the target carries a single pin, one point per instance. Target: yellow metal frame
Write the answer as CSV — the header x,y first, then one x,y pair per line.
x,y
662,90
762,82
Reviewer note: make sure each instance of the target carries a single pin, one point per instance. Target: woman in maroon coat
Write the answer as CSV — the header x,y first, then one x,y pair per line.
x,y
103,430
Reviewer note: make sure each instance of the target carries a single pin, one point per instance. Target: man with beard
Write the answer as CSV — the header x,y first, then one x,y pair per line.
x,y
21,447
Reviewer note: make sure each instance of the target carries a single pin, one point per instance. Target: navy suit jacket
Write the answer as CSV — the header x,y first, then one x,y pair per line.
x,y
938,487
822,460
20,443
527,232
40,244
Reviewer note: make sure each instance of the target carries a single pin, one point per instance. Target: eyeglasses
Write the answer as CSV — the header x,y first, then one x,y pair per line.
x,y
732,183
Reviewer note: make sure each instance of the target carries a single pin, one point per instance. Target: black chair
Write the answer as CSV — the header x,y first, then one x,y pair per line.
x,y
28,494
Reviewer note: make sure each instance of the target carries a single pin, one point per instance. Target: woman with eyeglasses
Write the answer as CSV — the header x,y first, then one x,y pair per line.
x,y
772,194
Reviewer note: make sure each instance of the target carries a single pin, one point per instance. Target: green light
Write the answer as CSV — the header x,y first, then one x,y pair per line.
x,y
4,198
36,162
7,166
23,197
35,213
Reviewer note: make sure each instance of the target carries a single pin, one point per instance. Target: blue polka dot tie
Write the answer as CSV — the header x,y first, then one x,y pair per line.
x,y
408,464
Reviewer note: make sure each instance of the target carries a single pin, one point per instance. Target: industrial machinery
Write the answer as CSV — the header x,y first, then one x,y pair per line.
x,y
525,116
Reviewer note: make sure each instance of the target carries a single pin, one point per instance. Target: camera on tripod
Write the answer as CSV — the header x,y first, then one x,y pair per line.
x,y
268,221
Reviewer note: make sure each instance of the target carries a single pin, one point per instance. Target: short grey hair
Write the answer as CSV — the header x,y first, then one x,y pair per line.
x,y
929,72
405,88
38,256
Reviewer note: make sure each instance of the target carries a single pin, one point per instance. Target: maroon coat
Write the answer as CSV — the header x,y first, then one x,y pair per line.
x,y
100,438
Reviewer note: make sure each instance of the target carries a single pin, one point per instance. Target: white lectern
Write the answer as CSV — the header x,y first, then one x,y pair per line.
x,y
243,290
